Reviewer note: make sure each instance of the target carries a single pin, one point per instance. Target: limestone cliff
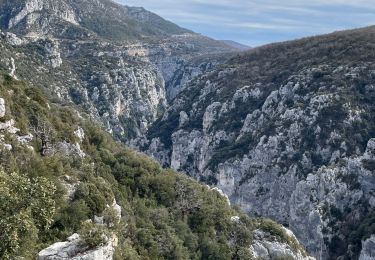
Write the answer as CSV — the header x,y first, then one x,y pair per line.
x,y
286,131
117,67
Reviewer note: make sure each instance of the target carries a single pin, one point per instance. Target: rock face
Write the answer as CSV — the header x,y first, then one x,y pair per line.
x,y
286,131
190,69
265,247
75,250
120,68
2,107
368,249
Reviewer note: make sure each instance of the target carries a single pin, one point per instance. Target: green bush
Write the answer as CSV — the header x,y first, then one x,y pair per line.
x,y
93,235
27,209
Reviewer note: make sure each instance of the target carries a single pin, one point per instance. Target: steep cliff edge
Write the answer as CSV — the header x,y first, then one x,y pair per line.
x,y
287,131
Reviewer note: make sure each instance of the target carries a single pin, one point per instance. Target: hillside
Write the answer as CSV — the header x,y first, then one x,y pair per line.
x,y
61,174
236,45
287,131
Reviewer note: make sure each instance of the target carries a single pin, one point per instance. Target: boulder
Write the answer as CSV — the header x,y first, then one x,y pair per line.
x,y
75,249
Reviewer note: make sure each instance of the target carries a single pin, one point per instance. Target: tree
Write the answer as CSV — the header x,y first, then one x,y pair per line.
x,y
93,235
43,131
187,200
26,208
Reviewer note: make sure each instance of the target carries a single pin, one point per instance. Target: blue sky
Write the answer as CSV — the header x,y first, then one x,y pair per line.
x,y
257,22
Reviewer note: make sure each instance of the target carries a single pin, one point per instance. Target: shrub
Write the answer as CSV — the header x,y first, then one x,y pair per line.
x,y
26,208
93,235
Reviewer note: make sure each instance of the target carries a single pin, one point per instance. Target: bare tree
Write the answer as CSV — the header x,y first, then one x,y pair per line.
x,y
43,131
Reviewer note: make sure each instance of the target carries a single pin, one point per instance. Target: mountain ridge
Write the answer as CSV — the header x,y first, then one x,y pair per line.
x,y
124,83
271,126
236,45
126,22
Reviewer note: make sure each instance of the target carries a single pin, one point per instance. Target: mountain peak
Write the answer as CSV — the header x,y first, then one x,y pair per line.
x,y
67,19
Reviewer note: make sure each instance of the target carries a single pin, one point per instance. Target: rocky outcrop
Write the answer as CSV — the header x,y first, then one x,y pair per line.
x,y
368,249
9,127
29,12
265,246
8,130
65,148
75,249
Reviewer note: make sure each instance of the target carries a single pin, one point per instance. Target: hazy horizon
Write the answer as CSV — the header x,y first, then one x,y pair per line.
x,y
260,22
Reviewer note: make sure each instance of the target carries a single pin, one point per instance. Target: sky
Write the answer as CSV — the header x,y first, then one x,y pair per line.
x,y
258,22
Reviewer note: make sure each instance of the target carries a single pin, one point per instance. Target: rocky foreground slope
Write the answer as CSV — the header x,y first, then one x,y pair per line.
x,y
120,64
286,131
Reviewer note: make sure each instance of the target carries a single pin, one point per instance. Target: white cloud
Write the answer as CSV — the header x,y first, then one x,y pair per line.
x,y
262,21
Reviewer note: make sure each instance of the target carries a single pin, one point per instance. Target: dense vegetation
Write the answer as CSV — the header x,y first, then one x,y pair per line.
x,y
165,214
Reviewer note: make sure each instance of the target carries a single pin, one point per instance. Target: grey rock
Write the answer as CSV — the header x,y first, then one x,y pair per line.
x,y
276,171
25,139
264,247
368,249
80,134
74,249
8,147
66,148
184,118
8,127
13,39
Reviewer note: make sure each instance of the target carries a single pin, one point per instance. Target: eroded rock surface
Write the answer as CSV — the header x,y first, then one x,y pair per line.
x,y
75,249
286,138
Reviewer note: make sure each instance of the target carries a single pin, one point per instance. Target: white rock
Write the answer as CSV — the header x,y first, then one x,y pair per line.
x,y
263,249
210,115
8,147
25,139
73,237
74,249
12,68
98,220
80,134
12,39
183,118
8,126
235,219
117,209
2,107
